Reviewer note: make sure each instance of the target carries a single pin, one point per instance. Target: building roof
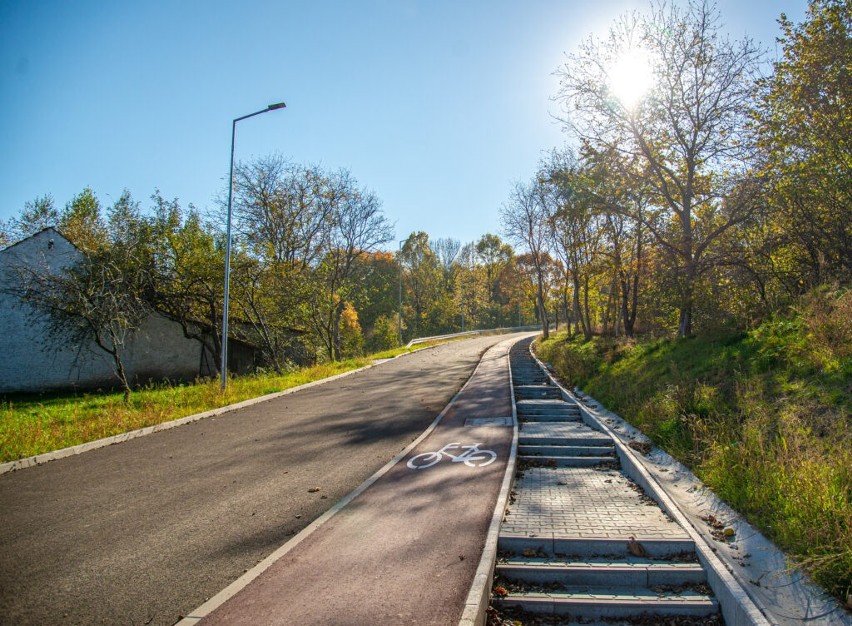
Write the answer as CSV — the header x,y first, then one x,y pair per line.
x,y
39,233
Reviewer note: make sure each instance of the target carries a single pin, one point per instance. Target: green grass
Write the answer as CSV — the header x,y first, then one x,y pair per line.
x,y
31,425
762,417
36,424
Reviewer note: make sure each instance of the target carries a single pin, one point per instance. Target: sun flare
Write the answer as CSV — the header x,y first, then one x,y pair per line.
x,y
631,77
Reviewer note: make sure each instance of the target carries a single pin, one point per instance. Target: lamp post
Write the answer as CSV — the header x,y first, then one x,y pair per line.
x,y
399,262
224,364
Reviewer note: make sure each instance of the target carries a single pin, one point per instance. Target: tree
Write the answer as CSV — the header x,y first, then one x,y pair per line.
x,y
376,292
494,255
82,222
301,231
471,287
283,211
187,257
283,216
804,125
525,220
102,298
447,250
421,277
528,268
574,228
357,227
36,215
622,203
689,135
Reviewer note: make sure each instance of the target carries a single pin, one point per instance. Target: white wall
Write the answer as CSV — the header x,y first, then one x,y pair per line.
x,y
159,350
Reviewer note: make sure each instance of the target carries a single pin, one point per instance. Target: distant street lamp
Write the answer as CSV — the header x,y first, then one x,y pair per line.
x,y
224,368
399,262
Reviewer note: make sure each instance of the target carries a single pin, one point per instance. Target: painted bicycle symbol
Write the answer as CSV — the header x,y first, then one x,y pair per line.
x,y
472,456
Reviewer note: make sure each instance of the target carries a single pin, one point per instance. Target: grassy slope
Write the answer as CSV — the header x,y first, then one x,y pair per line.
x,y
761,417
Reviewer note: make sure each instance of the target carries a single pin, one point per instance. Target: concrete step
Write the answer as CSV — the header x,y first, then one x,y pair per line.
x,y
632,572
565,409
525,449
566,461
558,408
537,392
681,550
530,381
547,403
567,417
528,372
590,440
611,602
522,373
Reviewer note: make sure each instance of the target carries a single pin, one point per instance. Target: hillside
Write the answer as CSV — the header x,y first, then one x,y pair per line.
x,y
761,416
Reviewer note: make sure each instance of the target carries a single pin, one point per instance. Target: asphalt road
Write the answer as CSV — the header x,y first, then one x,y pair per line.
x,y
144,531
406,550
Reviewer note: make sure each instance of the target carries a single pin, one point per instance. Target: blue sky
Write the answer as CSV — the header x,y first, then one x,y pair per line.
x,y
436,106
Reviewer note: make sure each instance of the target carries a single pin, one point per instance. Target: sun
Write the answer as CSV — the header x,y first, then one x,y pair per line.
x,y
631,77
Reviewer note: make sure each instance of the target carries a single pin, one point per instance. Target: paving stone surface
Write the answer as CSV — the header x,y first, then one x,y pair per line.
x,y
585,503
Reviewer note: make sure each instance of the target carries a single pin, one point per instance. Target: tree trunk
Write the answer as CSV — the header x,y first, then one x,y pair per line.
x,y
611,309
684,328
578,311
567,308
122,376
335,331
545,323
628,316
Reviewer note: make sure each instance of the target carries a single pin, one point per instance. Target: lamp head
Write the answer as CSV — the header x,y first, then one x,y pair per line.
x,y
277,105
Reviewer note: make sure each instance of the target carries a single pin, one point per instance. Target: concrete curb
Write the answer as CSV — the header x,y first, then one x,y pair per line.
x,y
478,598
243,581
39,459
738,608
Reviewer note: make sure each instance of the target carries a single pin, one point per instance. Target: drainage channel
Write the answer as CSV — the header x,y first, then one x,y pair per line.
x,y
581,541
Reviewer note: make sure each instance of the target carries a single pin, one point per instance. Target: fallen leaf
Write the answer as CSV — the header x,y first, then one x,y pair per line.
x,y
500,591
640,446
635,548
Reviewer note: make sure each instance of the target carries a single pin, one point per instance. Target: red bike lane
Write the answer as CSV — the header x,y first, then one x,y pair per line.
x,y
403,550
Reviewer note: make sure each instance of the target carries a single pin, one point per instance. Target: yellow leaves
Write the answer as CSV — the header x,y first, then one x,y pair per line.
x,y
349,319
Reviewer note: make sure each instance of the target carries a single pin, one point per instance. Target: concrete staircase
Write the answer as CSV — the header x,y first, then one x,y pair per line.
x,y
595,580
562,571
539,401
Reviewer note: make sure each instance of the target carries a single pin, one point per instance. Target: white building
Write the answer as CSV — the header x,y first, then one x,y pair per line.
x,y
28,363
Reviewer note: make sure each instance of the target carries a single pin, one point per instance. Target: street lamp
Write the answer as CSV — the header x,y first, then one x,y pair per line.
x,y
224,368
399,262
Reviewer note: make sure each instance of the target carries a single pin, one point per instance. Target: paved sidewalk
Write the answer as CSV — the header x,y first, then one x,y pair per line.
x,y
584,503
405,550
